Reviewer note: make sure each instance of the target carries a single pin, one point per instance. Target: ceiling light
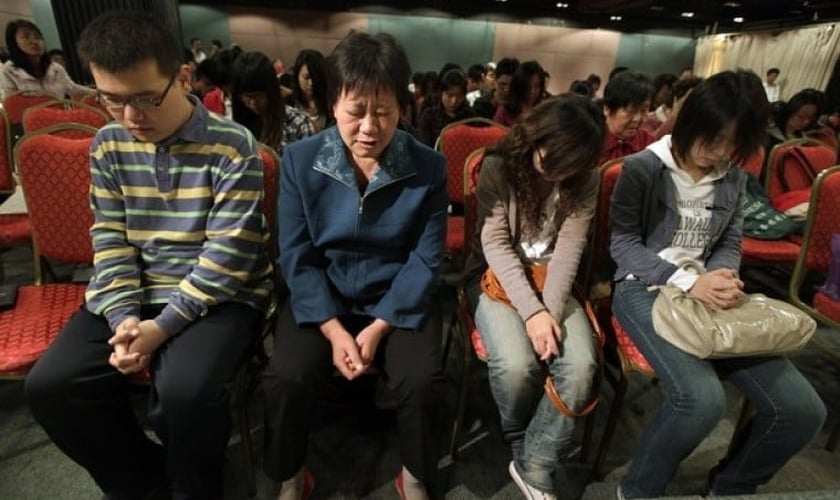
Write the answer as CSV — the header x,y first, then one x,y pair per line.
x,y
738,19
615,18
657,8
561,5
687,14
731,4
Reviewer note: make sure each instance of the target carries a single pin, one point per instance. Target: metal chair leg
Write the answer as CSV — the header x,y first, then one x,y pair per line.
x,y
831,445
612,420
461,403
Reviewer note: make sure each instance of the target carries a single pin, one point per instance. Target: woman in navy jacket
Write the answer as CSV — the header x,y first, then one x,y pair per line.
x,y
362,222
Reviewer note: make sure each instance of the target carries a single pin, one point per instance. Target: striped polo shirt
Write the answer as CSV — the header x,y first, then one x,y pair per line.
x,y
177,223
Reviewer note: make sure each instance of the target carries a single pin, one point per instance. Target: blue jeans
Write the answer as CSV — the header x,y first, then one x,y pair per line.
x,y
789,413
538,433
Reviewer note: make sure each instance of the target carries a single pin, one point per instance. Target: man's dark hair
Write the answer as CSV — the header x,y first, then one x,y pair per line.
x,y
55,52
476,72
617,71
773,70
453,78
727,97
507,66
118,41
216,42
368,63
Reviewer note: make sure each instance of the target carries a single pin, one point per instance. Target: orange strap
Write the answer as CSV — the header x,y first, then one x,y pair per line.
x,y
491,286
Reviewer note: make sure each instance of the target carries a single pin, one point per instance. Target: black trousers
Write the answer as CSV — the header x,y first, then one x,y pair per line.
x,y
408,361
83,403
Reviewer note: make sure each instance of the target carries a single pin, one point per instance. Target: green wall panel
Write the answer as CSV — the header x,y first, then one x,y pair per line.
x,y
431,42
42,11
207,23
655,54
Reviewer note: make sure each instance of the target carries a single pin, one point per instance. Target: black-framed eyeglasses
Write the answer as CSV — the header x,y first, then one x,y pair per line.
x,y
117,104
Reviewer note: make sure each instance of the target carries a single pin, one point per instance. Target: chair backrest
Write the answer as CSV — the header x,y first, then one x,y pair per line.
x,y
822,221
472,167
46,114
16,103
598,264
7,183
456,142
755,163
271,171
825,135
55,177
783,166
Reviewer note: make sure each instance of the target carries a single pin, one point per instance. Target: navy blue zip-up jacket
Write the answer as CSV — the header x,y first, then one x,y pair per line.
x,y
375,254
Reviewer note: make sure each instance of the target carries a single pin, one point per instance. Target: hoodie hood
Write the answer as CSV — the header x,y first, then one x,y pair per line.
x,y
662,149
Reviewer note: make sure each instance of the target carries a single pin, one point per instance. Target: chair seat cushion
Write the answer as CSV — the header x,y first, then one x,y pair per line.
x,y
14,230
628,350
38,316
455,234
769,250
827,306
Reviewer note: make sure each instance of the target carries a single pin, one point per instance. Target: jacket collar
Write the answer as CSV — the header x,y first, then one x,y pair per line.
x,y
394,164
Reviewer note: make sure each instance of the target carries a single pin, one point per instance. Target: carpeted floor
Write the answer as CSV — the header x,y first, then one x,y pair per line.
x,y
354,447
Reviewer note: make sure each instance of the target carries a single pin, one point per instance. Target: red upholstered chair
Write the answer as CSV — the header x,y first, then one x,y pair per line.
x,y
457,141
55,177
7,182
623,357
825,135
755,163
16,103
785,251
47,114
14,228
469,337
818,154
815,258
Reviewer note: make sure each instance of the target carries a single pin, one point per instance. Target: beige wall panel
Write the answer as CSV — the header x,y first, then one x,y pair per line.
x,y
567,54
283,33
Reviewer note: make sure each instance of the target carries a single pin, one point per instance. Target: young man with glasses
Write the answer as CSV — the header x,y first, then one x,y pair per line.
x,y
181,277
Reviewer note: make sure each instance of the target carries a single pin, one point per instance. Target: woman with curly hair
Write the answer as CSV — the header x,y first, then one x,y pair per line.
x,y
310,87
536,197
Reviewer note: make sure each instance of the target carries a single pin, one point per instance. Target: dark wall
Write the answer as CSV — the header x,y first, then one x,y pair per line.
x,y
72,16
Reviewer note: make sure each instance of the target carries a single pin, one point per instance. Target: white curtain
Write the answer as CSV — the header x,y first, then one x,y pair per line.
x,y
805,56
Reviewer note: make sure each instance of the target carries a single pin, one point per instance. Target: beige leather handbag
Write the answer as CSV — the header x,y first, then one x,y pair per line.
x,y
757,326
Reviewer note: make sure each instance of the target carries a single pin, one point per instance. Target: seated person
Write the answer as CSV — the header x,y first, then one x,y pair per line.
x,y
451,107
263,110
527,89
677,214
361,240
627,98
536,197
792,119
181,278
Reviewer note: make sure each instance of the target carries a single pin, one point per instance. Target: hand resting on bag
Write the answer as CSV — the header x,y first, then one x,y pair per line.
x,y
718,289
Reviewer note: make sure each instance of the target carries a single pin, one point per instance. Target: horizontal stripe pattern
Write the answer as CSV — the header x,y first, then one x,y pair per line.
x,y
178,223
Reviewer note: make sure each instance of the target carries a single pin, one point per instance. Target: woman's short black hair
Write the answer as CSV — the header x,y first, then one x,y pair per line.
x,y
254,72
17,56
627,88
121,40
368,63
727,97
